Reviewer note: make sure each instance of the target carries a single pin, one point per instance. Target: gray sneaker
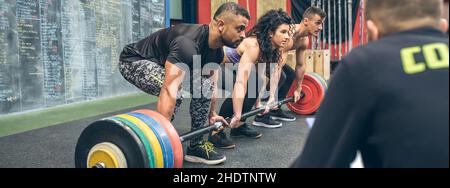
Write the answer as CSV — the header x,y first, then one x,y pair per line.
x,y
266,121
204,153
221,141
245,131
281,115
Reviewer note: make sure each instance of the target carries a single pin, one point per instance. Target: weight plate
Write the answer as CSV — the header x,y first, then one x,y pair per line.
x,y
177,147
162,137
154,142
112,132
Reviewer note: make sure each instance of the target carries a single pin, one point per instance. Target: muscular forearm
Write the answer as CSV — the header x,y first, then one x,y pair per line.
x,y
215,78
300,70
168,95
167,102
213,108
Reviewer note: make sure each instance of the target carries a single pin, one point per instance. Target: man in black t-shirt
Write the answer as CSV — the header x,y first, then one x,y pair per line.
x,y
160,63
389,100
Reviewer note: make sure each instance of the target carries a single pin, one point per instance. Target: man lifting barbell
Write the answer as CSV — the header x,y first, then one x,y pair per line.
x,y
155,65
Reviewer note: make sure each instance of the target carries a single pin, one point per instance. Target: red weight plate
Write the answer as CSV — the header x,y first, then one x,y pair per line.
x,y
314,93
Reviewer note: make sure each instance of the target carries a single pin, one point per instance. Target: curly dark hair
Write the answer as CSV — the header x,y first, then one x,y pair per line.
x,y
267,24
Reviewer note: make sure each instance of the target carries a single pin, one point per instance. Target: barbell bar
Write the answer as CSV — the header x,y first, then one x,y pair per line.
x,y
219,125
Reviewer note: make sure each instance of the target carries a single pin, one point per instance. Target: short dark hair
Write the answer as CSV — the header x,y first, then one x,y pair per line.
x,y
389,12
233,8
312,11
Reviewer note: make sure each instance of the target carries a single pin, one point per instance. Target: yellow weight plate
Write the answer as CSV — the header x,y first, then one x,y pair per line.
x,y
108,155
103,157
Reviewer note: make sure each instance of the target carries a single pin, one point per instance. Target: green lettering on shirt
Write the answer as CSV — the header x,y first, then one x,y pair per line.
x,y
410,66
436,57
431,52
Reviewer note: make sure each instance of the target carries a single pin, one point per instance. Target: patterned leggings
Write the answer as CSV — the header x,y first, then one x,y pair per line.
x,y
149,77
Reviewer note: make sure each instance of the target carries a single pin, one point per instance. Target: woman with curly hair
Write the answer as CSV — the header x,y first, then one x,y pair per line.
x,y
262,47
268,44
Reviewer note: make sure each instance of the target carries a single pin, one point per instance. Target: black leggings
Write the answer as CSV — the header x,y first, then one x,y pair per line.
x,y
286,79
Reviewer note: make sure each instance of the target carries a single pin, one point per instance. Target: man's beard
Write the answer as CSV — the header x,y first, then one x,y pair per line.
x,y
231,44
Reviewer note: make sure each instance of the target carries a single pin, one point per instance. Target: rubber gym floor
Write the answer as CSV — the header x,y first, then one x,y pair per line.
x,y
53,146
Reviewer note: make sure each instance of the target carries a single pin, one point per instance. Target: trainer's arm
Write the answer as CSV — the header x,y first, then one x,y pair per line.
x,y
168,96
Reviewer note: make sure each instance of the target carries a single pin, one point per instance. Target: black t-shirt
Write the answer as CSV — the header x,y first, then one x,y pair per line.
x,y
389,100
176,44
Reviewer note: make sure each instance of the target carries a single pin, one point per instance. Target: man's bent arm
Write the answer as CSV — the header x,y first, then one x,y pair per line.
x,y
171,87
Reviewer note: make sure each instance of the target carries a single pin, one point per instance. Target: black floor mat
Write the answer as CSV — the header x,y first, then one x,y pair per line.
x,y
53,147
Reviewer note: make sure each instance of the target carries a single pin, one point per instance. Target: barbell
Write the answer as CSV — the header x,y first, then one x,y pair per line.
x,y
146,139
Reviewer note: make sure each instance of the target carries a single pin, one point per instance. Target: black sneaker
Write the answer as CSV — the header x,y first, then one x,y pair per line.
x,y
221,141
245,131
204,153
266,121
281,115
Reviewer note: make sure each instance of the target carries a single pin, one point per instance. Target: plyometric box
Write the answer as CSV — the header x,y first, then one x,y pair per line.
x,y
317,61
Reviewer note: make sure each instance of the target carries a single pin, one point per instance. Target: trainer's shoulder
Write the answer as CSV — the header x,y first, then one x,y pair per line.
x,y
363,61
361,53
374,51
